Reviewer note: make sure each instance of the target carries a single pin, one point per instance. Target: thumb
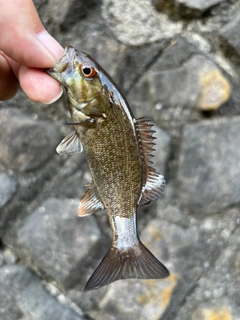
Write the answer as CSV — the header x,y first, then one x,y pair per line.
x,y
25,41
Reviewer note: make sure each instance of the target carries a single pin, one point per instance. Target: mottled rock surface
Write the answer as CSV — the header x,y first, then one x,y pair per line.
x,y
208,175
26,144
163,150
148,26
206,88
7,188
58,241
22,295
177,62
68,12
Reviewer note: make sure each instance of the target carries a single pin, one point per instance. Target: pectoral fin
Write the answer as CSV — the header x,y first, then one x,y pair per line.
x,y
70,144
154,182
90,203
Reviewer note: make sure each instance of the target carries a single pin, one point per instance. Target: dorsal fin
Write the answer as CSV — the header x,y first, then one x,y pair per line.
x,y
154,182
90,203
70,144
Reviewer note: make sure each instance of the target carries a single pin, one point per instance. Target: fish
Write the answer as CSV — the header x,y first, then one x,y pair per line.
x,y
118,149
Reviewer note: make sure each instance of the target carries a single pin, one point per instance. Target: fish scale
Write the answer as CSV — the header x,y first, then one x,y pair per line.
x,y
118,150
117,169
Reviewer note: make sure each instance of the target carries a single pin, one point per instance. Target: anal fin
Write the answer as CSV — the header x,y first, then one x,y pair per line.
x,y
90,203
153,188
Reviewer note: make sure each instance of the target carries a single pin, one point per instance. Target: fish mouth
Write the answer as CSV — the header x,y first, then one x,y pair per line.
x,y
61,65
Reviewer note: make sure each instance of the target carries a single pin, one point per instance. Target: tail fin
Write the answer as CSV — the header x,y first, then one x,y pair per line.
x,y
134,262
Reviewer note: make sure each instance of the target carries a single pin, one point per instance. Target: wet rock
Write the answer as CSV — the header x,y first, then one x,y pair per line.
x,y
148,25
22,295
7,188
26,144
199,82
230,32
195,8
59,242
207,175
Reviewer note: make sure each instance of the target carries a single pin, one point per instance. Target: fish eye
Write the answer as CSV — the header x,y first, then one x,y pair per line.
x,y
87,71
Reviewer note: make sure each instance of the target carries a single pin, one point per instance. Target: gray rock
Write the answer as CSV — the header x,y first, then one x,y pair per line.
x,y
208,176
173,87
195,8
59,242
138,61
216,295
9,257
230,32
68,12
177,52
22,295
191,247
163,149
26,144
171,90
147,299
148,25
198,83
8,187
71,180
1,258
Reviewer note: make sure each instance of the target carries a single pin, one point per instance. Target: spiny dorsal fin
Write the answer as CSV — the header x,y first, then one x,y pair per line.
x,y
90,202
154,182
70,144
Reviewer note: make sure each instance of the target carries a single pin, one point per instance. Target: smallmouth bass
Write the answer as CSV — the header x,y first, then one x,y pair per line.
x,y
118,150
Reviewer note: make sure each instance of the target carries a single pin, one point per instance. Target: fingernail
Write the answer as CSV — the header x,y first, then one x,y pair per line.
x,y
55,98
51,44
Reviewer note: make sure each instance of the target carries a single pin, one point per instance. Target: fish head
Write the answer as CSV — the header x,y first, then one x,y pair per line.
x,y
81,77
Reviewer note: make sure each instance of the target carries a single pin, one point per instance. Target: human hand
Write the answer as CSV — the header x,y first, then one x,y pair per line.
x,y
25,48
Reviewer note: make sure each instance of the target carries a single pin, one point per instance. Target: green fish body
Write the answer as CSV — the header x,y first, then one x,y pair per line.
x,y
118,150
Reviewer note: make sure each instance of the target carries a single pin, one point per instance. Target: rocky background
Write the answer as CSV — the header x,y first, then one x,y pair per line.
x,y
177,61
